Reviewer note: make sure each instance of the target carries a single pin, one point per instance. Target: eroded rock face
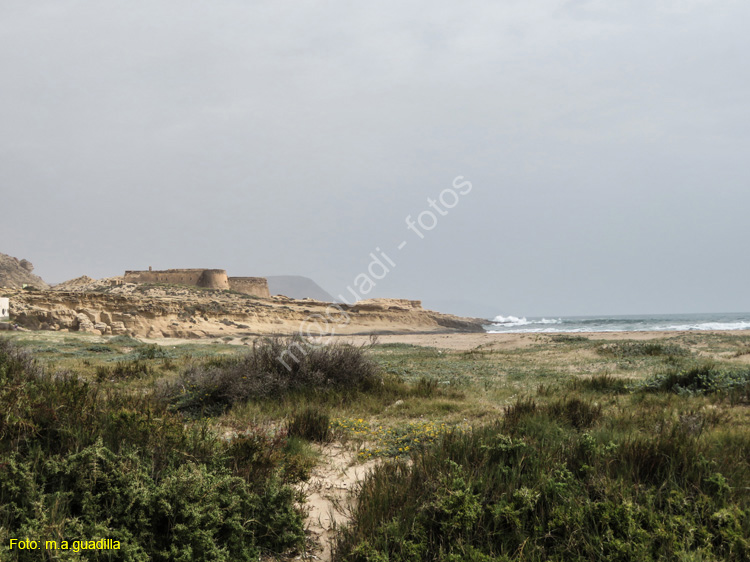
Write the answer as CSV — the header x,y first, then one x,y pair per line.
x,y
15,273
84,324
182,313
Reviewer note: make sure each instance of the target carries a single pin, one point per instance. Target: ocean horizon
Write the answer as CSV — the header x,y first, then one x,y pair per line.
x,y
620,323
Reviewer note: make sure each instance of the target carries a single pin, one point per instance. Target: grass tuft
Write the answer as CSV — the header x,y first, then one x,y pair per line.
x,y
312,424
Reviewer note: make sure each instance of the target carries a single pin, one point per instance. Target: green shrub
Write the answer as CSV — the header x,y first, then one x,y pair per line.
x,y
190,512
76,462
482,495
153,351
701,379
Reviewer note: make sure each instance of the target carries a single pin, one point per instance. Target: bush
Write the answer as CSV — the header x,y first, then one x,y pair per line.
x,y
273,367
700,379
153,351
187,512
77,463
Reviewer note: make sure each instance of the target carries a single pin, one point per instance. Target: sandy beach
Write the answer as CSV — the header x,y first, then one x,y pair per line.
x,y
465,342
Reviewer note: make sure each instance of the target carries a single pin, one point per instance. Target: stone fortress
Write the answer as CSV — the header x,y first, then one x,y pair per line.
x,y
135,304
204,278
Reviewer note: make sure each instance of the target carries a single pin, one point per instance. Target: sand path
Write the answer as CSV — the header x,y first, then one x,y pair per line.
x,y
329,494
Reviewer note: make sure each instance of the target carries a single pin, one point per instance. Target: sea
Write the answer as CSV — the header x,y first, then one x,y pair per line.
x,y
631,323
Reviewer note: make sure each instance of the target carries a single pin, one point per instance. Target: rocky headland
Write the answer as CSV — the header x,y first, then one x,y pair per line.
x,y
111,306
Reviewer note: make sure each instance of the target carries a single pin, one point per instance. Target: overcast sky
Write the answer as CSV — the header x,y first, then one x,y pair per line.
x,y
606,142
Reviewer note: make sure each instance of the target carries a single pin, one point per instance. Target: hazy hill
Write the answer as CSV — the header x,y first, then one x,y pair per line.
x,y
462,307
16,273
297,287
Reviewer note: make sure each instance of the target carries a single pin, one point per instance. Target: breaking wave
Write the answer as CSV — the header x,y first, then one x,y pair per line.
x,y
662,323
515,321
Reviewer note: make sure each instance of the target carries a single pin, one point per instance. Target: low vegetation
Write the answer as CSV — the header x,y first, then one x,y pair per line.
x,y
76,462
642,349
544,489
567,448
597,468
705,378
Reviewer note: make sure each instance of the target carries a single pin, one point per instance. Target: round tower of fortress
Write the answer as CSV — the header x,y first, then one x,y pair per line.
x,y
214,279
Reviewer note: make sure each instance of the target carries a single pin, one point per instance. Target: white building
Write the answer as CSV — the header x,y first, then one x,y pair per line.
x,y
4,308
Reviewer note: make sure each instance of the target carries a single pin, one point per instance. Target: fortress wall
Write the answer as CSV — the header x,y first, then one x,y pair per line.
x,y
257,286
209,278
